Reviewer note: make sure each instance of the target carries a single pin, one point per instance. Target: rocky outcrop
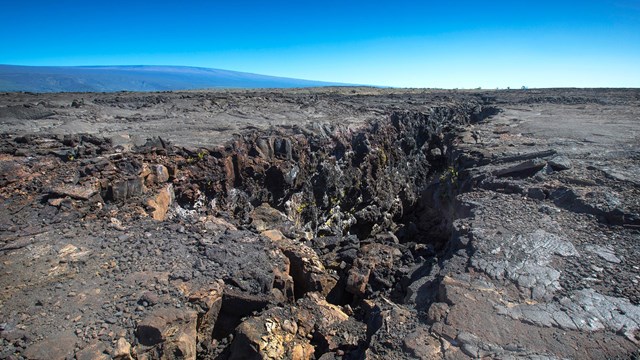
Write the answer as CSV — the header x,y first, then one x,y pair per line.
x,y
167,334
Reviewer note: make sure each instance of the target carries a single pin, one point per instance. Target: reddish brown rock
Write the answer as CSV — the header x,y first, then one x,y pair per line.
x,y
11,171
307,270
333,329
160,203
216,225
208,300
122,350
264,217
155,174
422,345
285,332
168,333
270,336
371,257
357,280
94,351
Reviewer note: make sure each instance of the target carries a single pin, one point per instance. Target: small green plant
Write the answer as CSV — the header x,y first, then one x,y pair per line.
x,y
450,175
448,183
199,157
301,208
70,157
383,157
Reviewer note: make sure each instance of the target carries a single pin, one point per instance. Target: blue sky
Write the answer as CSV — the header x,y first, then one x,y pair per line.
x,y
454,44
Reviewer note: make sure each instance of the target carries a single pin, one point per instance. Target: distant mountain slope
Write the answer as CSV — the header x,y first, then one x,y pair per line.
x,y
136,78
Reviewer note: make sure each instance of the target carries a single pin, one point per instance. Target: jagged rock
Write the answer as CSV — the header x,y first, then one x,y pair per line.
x,y
117,224
333,329
484,265
437,312
273,335
420,344
282,148
536,193
376,259
245,261
285,332
306,268
560,163
155,174
161,202
56,202
75,192
123,190
273,235
10,172
264,147
284,282
394,332
357,280
264,217
94,351
122,350
216,226
237,305
526,168
168,333
208,300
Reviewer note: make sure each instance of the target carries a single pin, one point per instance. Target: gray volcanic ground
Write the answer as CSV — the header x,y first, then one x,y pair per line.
x,y
328,223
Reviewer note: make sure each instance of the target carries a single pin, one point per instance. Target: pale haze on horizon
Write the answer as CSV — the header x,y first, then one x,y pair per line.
x,y
459,44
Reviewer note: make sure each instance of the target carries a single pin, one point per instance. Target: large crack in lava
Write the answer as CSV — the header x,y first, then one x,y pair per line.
x,y
391,238
358,214
288,243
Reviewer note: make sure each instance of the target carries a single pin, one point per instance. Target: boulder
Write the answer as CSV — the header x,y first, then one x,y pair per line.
x,y
126,189
122,350
524,169
307,270
155,174
208,300
264,217
272,335
74,191
286,332
560,163
373,259
168,333
94,351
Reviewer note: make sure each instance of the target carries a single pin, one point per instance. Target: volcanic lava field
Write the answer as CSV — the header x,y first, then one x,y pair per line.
x,y
326,223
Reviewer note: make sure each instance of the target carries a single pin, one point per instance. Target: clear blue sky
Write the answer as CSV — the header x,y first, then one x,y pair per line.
x,y
450,44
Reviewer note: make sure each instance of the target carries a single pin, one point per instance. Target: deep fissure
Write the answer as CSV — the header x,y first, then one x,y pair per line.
x,y
387,189
356,223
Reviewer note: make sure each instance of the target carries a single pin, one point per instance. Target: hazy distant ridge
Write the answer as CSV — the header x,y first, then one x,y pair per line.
x,y
136,78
